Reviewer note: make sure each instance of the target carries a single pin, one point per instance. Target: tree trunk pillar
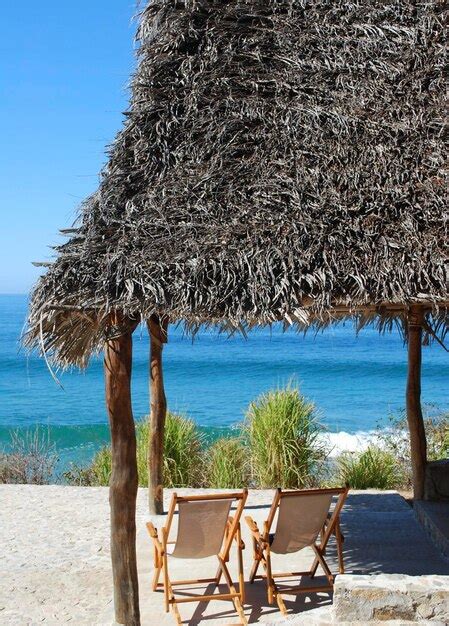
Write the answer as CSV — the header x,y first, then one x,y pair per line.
x,y
123,484
418,445
158,336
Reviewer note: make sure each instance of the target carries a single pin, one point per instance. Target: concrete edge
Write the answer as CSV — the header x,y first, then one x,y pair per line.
x,y
433,531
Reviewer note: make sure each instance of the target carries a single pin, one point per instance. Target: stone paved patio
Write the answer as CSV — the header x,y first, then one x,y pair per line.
x,y
382,536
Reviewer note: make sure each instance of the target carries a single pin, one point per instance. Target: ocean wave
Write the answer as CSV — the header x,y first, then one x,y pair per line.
x,y
348,442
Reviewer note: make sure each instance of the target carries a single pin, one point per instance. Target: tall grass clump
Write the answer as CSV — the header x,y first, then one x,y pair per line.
x,y
101,468
183,456
31,458
227,464
142,442
283,436
372,469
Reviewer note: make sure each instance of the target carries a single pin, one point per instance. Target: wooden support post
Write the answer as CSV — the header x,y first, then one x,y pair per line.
x,y
418,445
158,336
123,484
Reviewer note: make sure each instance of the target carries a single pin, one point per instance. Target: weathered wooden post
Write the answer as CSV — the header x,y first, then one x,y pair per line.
x,y
158,336
124,481
418,444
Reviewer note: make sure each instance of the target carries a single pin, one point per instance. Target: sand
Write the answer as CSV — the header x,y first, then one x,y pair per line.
x,y
55,563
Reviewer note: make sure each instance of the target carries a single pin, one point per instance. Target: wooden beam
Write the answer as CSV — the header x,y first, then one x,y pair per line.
x,y
123,484
418,444
158,336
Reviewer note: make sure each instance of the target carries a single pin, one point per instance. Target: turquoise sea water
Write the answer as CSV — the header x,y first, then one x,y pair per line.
x,y
355,381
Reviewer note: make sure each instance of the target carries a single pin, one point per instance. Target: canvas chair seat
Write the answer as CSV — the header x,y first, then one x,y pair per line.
x,y
303,516
201,528
205,529
300,520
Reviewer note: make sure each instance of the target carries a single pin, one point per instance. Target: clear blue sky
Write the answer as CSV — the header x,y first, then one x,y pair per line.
x,y
64,70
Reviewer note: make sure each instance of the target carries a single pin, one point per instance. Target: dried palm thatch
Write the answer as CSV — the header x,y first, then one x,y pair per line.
x,y
280,160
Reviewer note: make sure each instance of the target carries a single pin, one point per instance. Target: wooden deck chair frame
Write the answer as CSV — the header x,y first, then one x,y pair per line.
x,y
262,553
232,533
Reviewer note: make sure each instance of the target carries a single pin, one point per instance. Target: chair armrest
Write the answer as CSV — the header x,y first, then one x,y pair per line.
x,y
152,530
238,537
251,524
258,539
154,536
254,529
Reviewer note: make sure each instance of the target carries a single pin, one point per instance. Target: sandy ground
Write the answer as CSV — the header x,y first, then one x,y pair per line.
x,y
55,563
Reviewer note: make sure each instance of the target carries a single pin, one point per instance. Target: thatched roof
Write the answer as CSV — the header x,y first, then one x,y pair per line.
x,y
280,159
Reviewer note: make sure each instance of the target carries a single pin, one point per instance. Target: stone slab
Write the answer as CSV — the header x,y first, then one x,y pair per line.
x,y
382,597
436,484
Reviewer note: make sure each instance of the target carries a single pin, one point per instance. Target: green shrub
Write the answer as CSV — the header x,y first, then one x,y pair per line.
x,y
183,455
445,449
80,475
395,439
437,433
283,436
102,467
227,464
142,441
372,469
31,458
97,474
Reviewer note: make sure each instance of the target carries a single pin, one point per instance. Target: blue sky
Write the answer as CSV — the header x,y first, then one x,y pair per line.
x,y
64,69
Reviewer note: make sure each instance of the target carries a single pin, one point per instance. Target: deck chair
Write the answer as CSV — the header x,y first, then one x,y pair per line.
x,y
303,517
205,528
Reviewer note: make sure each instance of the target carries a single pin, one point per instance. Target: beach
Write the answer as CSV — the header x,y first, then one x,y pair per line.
x,y
55,556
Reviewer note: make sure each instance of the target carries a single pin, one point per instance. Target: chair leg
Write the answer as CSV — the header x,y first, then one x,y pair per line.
x,y
339,538
166,583
177,615
281,603
157,573
323,551
324,565
271,589
314,568
256,562
218,576
157,568
174,605
322,538
232,589
240,562
254,569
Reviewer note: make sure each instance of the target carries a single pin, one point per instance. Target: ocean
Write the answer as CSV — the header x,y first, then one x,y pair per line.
x,y
356,381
